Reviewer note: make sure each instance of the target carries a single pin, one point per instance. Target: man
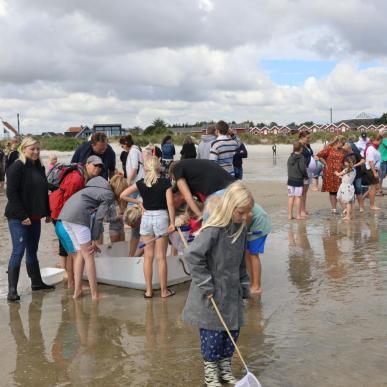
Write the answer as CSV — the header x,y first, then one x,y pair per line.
x,y
240,154
205,145
224,147
362,143
97,146
198,177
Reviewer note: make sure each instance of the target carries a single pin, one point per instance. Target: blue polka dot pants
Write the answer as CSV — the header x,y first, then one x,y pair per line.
x,y
216,345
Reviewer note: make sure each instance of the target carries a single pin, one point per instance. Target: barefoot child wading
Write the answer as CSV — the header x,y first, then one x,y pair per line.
x,y
217,266
297,172
346,192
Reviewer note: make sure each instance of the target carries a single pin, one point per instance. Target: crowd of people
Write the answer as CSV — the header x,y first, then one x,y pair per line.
x,y
351,170
154,195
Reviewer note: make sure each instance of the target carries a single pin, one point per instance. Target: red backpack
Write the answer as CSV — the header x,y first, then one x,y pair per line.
x,y
58,173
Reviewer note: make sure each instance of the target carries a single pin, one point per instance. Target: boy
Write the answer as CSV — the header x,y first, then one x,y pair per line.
x,y
296,174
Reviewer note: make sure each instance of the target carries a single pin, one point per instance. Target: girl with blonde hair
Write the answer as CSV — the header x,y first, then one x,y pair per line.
x,y
217,266
346,192
27,194
158,220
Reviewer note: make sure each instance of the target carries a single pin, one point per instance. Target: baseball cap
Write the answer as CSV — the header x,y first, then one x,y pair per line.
x,y
364,135
95,160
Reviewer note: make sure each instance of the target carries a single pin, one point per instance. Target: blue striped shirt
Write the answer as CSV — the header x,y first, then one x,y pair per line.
x,y
222,152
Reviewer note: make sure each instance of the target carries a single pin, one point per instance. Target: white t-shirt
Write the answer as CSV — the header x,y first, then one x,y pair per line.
x,y
135,161
372,154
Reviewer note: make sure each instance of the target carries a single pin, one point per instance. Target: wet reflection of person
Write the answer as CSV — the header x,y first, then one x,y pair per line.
x,y
32,366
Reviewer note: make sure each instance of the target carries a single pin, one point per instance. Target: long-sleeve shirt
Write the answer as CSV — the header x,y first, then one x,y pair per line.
x,y
223,150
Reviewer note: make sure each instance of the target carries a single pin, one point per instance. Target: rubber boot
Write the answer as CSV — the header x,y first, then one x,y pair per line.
x,y
225,371
13,279
211,378
37,283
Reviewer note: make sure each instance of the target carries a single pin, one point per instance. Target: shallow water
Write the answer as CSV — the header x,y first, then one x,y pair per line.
x,y
321,320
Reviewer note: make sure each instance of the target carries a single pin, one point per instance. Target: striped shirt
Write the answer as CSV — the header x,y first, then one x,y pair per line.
x,y
222,151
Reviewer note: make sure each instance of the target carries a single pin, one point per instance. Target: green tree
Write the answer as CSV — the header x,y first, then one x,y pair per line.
x,y
382,119
158,126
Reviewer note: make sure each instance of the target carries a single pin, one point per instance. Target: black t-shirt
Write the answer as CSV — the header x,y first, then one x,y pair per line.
x,y
202,176
154,198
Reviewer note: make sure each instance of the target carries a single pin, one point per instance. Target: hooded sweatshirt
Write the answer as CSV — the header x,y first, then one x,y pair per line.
x,y
296,170
89,206
205,146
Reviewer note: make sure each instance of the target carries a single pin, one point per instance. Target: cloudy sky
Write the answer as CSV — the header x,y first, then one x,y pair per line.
x,y
72,62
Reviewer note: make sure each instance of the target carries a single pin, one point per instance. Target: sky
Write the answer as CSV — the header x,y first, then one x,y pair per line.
x,y
70,63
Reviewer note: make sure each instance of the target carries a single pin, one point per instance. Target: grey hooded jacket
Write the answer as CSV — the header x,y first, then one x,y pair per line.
x,y
217,267
296,170
205,146
89,206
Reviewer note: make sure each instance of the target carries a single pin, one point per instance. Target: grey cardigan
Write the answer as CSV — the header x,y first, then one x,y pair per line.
x,y
217,267
89,206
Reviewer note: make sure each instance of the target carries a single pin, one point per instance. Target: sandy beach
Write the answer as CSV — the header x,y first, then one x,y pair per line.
x,y
321,320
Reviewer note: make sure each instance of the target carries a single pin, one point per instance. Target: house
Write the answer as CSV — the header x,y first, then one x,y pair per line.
x,y
331,128
188,130
343,127
85,133
73,131
255,131
49,134
109,129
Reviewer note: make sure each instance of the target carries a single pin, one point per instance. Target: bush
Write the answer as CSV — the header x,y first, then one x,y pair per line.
x,y
59,143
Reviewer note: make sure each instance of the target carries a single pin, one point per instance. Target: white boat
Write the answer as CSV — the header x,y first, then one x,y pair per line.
x,y
52,275
115,267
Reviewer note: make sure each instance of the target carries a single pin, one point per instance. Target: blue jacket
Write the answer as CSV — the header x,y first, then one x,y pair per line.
x,y
85,150
168,150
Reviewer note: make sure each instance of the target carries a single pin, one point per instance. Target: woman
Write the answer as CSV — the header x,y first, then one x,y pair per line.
x,y
310,162
332,157
373,158
27,193
188,150
168,152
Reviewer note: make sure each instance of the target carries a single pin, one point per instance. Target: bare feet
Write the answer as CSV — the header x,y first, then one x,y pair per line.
x,y
256,291
346,218
77,295
300,217
97,296
361,209
290,217
304,214
70,284
374,208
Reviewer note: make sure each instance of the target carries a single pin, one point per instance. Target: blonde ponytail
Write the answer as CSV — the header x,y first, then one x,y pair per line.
x,y
152,170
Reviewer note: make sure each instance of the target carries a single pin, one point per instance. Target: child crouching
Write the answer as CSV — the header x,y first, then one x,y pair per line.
x,y
214,258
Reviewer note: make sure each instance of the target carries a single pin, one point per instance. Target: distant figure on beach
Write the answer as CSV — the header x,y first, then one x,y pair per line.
x,y
188,151
217,266
97,146
240,154
332,157
158,220
205,145
362,143
27,194
297,173
168,152
224,147
201,178
12,154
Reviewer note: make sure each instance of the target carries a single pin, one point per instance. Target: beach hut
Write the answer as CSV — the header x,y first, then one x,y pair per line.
x,y
274,129
265,131
372,128
314,128
303,127
331,128
343,127
255,131
284,130
362,128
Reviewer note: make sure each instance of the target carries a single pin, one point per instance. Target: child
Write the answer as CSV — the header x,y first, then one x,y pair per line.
x,y
52,160
346,192
157,204
258,220
296,174
79,227
217,266
132,217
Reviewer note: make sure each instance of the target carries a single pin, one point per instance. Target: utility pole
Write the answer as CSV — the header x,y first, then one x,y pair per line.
x,y
331,110
18,124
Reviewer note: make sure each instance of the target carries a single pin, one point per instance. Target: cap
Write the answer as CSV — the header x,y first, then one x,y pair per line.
x,y
95,160
364,135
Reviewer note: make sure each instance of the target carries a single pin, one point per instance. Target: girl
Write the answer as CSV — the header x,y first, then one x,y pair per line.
x,y
27,194
157,203
80,227
217,265
310,162
52,160
346,192
188,151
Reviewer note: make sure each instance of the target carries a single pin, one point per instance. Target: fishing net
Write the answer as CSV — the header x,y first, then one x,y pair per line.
x,y
248,381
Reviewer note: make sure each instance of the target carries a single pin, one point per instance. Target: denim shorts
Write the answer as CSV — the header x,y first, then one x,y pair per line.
x,y
154,223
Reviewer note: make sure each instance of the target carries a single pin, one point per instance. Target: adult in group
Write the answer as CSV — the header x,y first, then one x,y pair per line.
x,y
332,157
123,157
205,145
201,178
310,162
362,143
188,151
12,153
97,146
27,194
2,167
224,147
168,150
240,154
71,183
373,159
383,163
354,152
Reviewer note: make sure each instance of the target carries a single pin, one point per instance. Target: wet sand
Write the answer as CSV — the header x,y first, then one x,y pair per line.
x,y
321,320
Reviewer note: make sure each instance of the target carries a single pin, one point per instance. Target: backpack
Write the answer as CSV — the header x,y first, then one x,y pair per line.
x,y
59,172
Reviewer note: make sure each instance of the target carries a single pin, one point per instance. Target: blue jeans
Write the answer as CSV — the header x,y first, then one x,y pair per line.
x,y
24,238
238,171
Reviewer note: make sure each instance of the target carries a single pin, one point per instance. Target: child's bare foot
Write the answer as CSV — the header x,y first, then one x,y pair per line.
x,y
304,214
300,217
70,284
361,209
256,291
97,296
290,217
374,208
77,294
346,218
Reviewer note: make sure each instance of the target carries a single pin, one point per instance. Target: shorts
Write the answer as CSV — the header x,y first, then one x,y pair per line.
x,y
154,223
62,251
295,191
72,235
370,178
256,246
358,186
116,227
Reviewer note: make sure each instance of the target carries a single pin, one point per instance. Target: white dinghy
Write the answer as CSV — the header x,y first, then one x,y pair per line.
x,y
115,267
